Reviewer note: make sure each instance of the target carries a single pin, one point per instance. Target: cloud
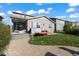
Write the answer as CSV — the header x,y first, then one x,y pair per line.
x,y
73,4
8,3
75,15
2,14
60,17
71,10
39,3
9,12
31,12
49,9
42,11
18,11
0,6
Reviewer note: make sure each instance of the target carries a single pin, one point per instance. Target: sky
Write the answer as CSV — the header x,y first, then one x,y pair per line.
x,y
65,11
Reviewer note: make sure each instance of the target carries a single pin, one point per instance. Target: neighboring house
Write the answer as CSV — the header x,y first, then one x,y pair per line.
x,y
77,24
59,24
1,18
70,23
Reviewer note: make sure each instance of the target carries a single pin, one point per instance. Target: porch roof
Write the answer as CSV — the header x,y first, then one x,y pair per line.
x,y
16,19
22,14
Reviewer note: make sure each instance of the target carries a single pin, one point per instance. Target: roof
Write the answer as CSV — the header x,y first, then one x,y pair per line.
x,y
62,20
70,21
56,19
17,17
22,14
41,17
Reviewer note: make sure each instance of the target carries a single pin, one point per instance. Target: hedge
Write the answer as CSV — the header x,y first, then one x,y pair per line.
x,y
4,37
71,30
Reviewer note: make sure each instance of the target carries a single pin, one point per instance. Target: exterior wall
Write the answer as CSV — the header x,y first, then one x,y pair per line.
x,y
77,24
59,25
73,23
44,25
68,23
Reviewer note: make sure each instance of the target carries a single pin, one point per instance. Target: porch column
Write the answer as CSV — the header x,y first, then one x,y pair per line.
x,y
11,25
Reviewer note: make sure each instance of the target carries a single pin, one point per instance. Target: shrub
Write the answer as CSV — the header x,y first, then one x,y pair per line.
x,y
67,28
71,30
76,31
4,37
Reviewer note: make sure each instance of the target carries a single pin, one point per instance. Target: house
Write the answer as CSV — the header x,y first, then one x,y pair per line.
x,y
70,23
31,24
1,18
77,24
23,23
39,24
59,24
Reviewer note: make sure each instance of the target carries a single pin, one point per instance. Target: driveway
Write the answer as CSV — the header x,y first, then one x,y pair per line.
x,y
19,46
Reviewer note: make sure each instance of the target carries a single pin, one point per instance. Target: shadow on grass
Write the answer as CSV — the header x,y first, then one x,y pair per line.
x,y
74,53
50,54
2,55
70,34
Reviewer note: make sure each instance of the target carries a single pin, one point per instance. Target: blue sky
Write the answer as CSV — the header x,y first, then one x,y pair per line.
x,y
66,11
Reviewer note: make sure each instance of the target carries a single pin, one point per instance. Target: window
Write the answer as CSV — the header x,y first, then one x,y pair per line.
x,y
38,25
43,24
50,26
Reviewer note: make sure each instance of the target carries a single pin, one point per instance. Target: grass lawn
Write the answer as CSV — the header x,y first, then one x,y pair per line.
x,y
57,39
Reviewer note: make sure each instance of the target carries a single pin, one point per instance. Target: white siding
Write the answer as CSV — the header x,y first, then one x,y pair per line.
x,y
77,23
44,25
59,25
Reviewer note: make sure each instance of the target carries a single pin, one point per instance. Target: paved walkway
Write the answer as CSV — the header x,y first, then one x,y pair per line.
x,y
19,46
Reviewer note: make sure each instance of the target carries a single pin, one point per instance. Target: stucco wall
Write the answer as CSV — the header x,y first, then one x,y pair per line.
x,y
44,25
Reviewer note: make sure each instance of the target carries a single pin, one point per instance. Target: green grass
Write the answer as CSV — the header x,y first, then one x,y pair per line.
x,y
58,39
